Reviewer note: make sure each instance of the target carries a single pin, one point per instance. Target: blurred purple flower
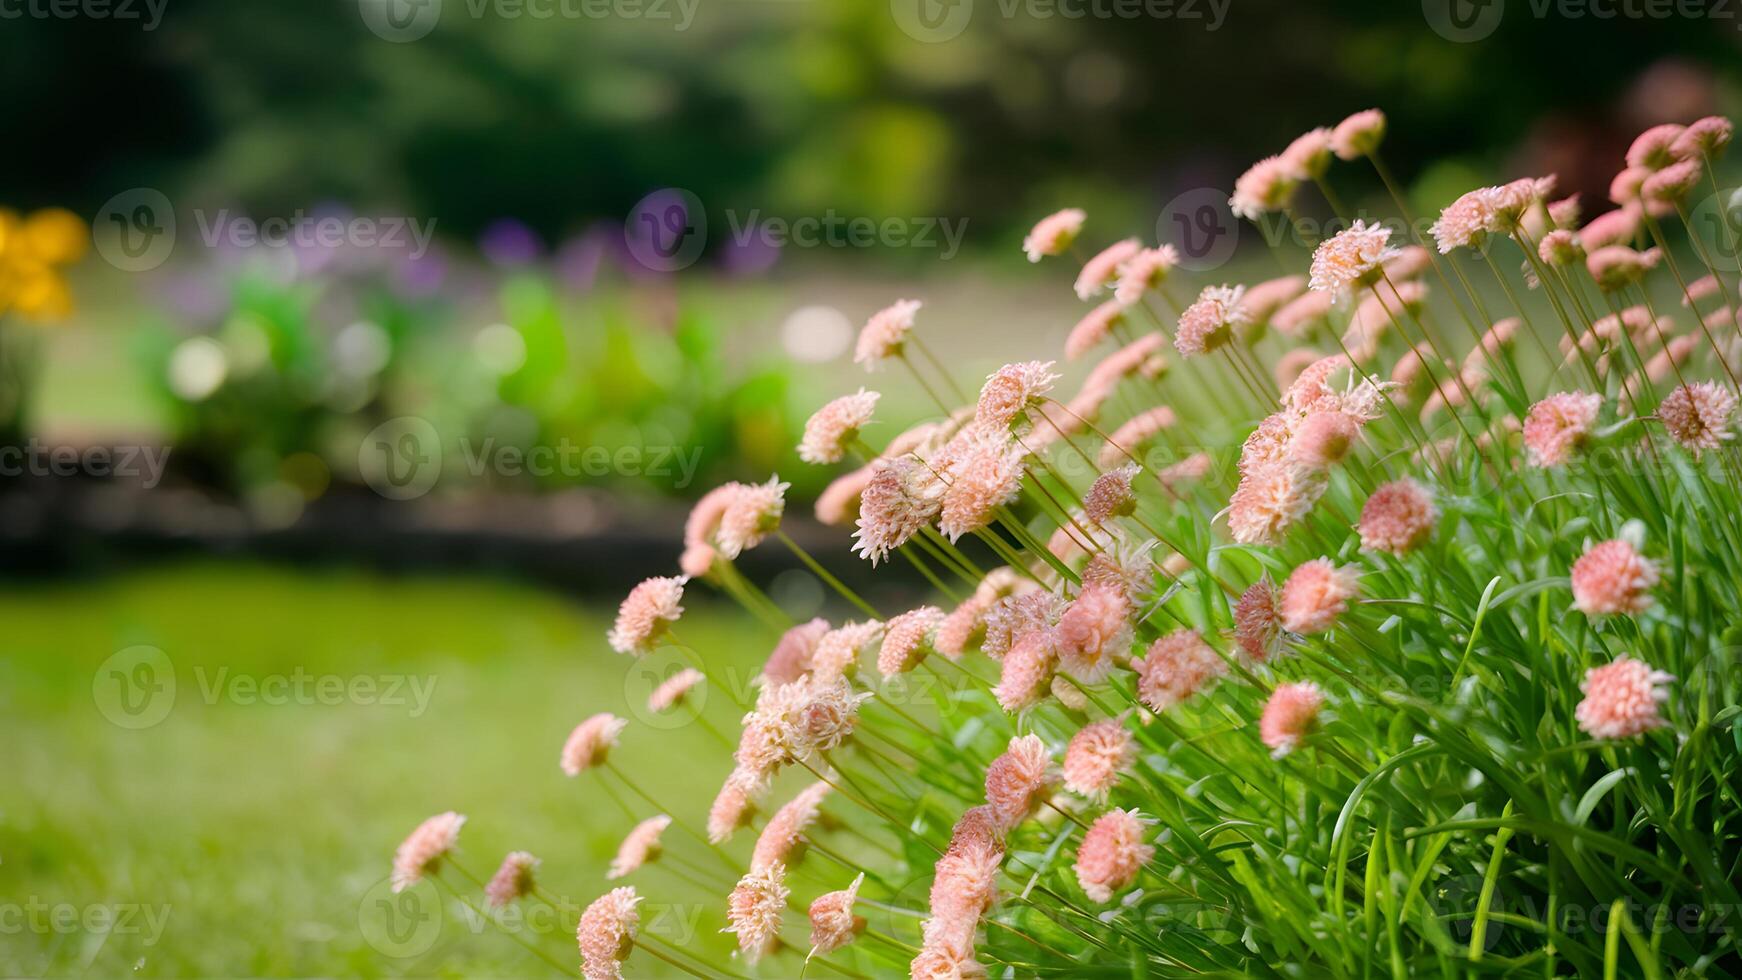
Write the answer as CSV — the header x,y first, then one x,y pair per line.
x,y
510,242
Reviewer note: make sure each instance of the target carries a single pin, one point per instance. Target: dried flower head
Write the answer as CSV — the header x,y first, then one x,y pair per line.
x,y
422,852
1112,854
1098,754
1053,233
1316,594
1398,518
1558,425
830,432
1110,495
884,334
902,496
833,924
591,741
986,476
1211,320
646,613
1698,415
1178,666
1622,699
1289,715
1613,578
639,847
606,933
1018,781
754,908
514,879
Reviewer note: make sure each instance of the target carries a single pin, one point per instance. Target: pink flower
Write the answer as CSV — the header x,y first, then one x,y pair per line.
x,y
1094,633
1310,153
1558,425
1026,671
1654,148
1621,699
1288,715
1094,327
1126,440
1178,666
987,476
606,933
1267,185
902,496
704,521
1613,578
1053,233
1398,517
1023,612
1112,855
1263,300
1358,135
839,501
673,690
1624,187
1560,247
645,615
1703,138
1101,270
943,963
639,847
1145,271
837,653
754,909
733,806
886,331
784,831
1610,228
1017,781
791,657
833,924
1110,495
1351,258
590,742
422,852
514,879
833,429
907,640
1271,498
1468,220
1316,593
1698,415
1097,756
1701,288
1012,390
1304,313
1257,623
753,514
1617,266
1211,320
1323,438
1673,183
1188,470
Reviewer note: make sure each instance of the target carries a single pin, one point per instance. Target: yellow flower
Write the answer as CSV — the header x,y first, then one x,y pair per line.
x,y
31,251
54,236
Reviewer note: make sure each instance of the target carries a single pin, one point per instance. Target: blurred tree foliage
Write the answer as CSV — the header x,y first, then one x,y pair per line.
x,y
790,106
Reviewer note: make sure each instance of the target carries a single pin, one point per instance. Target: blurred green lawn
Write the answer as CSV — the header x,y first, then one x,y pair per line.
x,y
260,834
